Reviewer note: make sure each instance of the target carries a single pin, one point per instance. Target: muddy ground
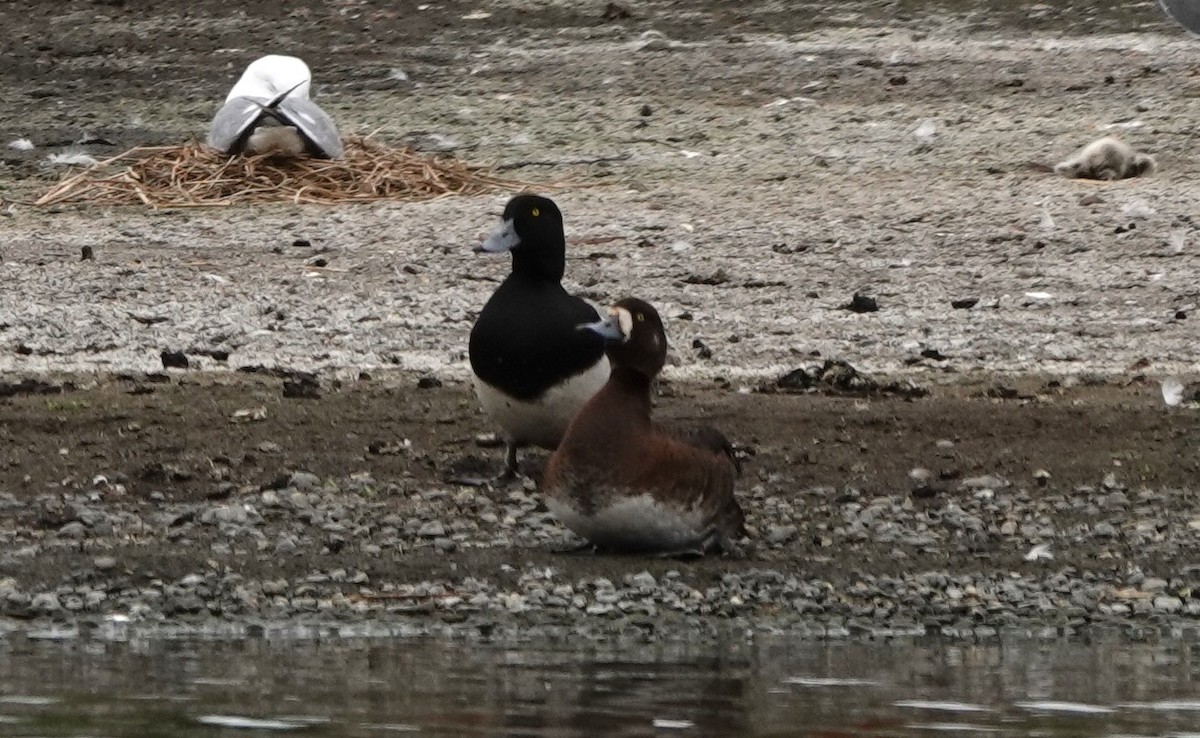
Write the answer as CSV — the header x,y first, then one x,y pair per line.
x,y
748,167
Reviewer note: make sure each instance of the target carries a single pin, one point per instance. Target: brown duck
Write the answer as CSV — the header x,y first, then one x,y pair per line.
x,y
623,482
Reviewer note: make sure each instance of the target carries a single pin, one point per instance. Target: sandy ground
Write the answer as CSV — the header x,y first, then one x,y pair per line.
x,y
747,167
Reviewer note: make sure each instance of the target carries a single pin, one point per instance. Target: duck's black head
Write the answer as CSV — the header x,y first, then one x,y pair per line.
x,y
634,336
532,229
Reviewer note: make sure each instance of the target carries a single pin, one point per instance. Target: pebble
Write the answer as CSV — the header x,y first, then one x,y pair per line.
x,y
46,603
304,481
1168,604
778,535
432,529
75,530
945,582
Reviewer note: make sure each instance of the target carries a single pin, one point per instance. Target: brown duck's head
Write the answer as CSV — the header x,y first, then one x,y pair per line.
x,y
634,336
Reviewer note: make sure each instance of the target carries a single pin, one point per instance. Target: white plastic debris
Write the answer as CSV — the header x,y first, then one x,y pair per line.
x,y
217,278
250,414
1172,391
788,101
926,131
1039,552
1047,222
477,15
72,158
398,74
1138,209
1177,240
1038,295
653,41
1126,124
21,144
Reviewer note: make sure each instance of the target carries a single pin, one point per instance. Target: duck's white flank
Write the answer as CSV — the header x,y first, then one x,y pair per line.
x,y
542,421
633,523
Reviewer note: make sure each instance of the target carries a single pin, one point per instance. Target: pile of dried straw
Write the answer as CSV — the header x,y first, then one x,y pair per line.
x,y
194,175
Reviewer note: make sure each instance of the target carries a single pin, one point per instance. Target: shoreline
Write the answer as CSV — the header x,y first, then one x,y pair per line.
x,y
176,501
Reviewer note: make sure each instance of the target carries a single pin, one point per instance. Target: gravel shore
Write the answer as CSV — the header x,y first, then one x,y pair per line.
x,y
887,515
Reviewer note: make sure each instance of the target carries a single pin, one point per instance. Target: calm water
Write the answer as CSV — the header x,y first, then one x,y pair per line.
x,y
773,687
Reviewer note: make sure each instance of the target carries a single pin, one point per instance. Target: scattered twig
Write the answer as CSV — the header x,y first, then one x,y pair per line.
x,y
569,163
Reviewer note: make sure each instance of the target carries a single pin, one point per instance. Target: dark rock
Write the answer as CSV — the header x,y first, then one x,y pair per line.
x,y
174,360
861,303
716,278
303,387
32,387
844,378
965,303
160,472
616,11
216,354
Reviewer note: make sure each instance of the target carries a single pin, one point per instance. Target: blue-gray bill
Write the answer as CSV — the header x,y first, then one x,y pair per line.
x,y
1185,12
504,238
608,328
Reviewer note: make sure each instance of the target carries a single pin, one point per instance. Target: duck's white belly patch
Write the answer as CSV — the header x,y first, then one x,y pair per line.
x,y
631,523
543,421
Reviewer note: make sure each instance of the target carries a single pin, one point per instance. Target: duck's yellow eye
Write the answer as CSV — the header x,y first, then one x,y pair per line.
x,y
535,212
641,317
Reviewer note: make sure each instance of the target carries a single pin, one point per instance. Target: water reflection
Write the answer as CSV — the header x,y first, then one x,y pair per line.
x,y
773,687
